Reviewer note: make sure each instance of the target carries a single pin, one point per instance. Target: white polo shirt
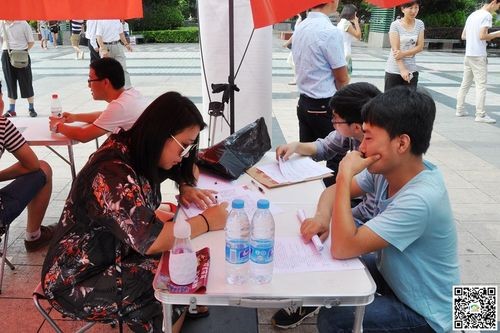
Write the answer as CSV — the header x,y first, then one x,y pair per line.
x,y
19,34
109,30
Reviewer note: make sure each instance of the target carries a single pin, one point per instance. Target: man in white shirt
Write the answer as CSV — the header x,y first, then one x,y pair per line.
x,y
109,34
90,27
476,35
106,82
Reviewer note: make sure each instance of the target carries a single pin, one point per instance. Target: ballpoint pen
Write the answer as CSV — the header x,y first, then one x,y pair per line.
x,y
315,239
258,187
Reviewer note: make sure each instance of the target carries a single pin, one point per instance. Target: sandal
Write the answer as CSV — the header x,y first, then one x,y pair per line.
x,y
9,114
198,314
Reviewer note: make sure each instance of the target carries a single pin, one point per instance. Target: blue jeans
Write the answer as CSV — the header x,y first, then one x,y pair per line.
x,y
18,194
385,314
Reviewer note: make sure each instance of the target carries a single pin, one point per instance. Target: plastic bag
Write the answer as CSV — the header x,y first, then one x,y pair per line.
x,y
238,152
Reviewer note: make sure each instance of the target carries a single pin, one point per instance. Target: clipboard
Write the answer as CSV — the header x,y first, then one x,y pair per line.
x,y
268,182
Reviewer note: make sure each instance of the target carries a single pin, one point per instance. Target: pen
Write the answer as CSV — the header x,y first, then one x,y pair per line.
x,y
260,188
315,239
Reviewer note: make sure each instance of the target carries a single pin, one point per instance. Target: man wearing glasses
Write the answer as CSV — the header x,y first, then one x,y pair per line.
x,y
106,82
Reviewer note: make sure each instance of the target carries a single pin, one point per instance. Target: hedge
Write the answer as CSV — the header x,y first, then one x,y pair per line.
x,y
181,35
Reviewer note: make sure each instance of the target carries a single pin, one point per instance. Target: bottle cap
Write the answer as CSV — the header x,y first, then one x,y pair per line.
x,y
55,96
182,229
238,203
263,204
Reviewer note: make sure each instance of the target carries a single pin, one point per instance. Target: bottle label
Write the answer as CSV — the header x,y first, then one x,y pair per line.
x,y
262,251
237,252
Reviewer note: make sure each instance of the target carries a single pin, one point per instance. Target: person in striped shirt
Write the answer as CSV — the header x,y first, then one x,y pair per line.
x,y
31,185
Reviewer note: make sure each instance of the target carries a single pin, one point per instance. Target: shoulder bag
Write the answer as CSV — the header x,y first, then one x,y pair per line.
x,y
18,58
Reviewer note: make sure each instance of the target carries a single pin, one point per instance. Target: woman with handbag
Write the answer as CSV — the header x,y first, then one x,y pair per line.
x,y
17,39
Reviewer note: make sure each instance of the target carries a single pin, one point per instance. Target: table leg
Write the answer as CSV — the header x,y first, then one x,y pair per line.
x,y
71,161
167,318
358,319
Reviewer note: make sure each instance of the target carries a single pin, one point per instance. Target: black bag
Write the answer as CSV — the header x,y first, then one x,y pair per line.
x,y
83,41
238,152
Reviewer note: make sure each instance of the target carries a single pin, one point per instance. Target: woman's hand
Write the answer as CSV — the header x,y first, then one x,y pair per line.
x,y
192,195
406,75
67,117
216,216
398,54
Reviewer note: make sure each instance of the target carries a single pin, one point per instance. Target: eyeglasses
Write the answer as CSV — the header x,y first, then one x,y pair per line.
x,y
185,150
93,80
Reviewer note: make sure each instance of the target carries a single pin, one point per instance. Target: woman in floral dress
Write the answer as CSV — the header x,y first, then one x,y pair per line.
x,y
101,263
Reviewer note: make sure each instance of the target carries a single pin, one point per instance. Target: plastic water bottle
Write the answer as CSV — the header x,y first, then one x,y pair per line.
x,y
182,262
237,243
262,244
55,106
55,109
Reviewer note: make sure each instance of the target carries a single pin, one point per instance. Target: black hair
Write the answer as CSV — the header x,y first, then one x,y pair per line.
x,y
169,114
348,12
348,101
303,15
410,3
111,69
403,110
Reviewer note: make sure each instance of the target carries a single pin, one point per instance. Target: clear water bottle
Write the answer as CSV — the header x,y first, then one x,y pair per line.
x,y
55,106
182,262
262,244
237,243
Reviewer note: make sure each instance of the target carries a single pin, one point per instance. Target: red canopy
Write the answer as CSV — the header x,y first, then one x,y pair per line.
x,y
387,3
268,12
69,9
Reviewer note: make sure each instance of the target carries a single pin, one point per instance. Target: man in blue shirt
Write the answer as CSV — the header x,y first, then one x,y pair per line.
x,y
412,232
318,54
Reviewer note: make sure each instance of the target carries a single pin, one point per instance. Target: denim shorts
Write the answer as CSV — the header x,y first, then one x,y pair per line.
x,y
18,194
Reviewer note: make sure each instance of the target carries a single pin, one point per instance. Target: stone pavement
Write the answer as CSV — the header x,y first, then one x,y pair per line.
x,y
468,153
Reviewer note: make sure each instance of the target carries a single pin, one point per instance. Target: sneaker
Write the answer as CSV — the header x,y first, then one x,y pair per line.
x,y
46,233
33,113
486,119
461,113
293,316
9,114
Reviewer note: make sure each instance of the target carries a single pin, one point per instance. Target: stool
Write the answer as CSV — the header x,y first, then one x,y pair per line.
x,y
38,294
5,231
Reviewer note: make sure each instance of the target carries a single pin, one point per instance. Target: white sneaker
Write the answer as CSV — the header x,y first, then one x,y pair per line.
x,y
486,119
461,113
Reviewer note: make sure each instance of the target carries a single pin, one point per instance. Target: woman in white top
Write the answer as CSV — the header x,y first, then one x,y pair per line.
x,y
407,39
349,25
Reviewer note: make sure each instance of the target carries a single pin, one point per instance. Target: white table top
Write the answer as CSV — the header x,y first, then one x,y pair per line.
x,y
353,287
37,133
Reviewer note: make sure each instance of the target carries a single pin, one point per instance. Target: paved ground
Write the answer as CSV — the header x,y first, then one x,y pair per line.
x,y
468,153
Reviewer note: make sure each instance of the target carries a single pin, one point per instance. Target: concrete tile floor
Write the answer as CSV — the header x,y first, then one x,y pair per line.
x,y
466,152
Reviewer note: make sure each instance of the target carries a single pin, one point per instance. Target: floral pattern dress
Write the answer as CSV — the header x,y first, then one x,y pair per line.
x,y
96,268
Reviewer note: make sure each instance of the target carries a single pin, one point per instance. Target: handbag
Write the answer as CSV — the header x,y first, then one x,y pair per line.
x,y
18,58
83,40
238,152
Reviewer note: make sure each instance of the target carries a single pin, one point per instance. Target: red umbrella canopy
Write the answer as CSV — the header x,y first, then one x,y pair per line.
x,y
387,3
69,9
268,12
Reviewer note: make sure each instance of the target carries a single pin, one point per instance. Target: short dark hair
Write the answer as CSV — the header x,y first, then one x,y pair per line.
x,y
111,69
167,115
348,12
348,101
403,110
410,3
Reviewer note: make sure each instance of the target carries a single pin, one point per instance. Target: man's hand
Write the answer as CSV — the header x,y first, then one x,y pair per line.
x,y
354,162
68,117
201,198
315,226
285,151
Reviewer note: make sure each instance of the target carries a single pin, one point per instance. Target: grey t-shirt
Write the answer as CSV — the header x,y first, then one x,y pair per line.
x,y
407,40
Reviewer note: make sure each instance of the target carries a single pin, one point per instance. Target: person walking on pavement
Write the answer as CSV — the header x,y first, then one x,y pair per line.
x,y
17,35
76,30
90,27
109,33
476,35
321,70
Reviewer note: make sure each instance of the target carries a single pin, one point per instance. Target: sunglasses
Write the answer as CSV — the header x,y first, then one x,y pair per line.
x,y
185,150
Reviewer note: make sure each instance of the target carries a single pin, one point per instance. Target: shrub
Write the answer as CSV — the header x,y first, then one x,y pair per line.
x,y
158,16
182,35
451,19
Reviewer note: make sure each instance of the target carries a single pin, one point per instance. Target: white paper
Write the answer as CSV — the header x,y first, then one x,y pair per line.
x,y
292,255
296,169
